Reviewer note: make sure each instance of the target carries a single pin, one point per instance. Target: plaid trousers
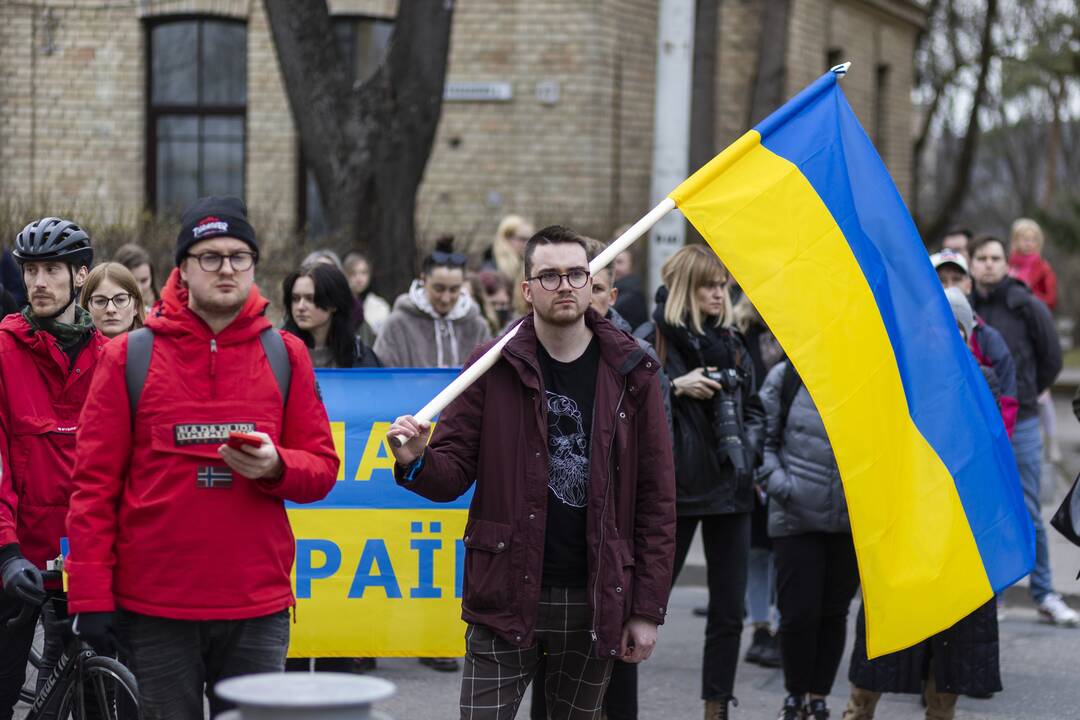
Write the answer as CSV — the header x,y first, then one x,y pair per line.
x,y
497,673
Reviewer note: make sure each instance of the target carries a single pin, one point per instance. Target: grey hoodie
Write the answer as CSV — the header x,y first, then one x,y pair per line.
x,y
414,335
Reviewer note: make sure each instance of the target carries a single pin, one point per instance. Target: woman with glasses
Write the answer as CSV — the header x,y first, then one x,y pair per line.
x,y
435,324
718,428
114,299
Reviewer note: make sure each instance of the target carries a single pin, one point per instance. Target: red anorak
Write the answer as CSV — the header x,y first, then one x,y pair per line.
x,y
159,525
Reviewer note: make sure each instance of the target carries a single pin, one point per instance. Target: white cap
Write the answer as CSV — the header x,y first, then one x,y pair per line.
x,y
947,256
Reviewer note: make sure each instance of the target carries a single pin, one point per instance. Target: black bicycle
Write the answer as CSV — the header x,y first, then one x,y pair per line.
x,y
82,685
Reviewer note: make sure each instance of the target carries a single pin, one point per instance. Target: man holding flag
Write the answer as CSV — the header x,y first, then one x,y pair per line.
x,y
570,538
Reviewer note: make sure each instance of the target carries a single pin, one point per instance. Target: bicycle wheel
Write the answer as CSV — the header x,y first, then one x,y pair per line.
x,y
29,688
102,690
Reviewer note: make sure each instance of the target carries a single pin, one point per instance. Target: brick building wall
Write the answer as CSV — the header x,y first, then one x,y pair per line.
x,y
73,126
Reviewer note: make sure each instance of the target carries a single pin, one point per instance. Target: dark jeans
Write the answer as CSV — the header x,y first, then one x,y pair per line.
x,y
816,579
176,661
727,549
14,651
15,647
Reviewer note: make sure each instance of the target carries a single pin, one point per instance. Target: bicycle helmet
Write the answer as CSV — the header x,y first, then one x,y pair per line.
x,y
54,238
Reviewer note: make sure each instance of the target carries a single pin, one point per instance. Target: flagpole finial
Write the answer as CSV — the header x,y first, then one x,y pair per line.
x,y
841,69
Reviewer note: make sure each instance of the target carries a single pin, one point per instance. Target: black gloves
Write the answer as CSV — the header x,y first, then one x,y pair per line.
x,y
99,630
22,581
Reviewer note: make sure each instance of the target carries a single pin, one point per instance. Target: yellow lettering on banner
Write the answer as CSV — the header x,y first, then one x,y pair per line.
x,y
337,429
377,455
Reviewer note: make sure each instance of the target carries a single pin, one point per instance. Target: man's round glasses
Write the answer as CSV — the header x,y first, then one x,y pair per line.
x,y
551,280
100,302
212,261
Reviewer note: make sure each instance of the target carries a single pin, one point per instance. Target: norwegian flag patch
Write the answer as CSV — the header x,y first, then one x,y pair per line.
x,y
210,476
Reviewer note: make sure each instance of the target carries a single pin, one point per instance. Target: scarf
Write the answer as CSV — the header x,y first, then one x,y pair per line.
x,y
68,337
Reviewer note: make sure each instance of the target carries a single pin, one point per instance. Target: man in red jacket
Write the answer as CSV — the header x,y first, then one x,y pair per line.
x,y
48,353
571,532
180,545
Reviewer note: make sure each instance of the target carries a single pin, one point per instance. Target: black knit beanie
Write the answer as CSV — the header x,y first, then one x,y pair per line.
x,y
211,217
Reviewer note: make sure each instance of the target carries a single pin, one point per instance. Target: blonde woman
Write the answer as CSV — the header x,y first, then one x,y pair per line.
x,y
114,299
505,255
718,424
1026,264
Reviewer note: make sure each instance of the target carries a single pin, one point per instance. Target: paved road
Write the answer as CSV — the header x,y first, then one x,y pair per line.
x,y
1041,674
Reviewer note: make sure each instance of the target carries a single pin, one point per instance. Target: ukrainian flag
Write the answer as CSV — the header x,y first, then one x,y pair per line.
x,y
804,215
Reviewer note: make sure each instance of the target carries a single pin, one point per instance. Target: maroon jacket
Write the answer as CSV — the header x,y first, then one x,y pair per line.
x,y
496,434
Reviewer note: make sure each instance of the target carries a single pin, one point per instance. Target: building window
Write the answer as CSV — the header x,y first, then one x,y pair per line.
x,y
363,42
196,105
833,57
881,106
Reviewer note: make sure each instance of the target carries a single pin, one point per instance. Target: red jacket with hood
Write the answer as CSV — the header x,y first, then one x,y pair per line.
x,y
144,535
41,394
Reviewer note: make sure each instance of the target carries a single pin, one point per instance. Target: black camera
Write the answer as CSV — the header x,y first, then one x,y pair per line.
x,y
729,378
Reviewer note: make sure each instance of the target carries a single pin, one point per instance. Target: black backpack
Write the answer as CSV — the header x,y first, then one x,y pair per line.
x,y
141,345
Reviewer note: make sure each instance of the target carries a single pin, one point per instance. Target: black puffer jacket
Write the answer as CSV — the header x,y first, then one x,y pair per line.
x,y
706,481
966,659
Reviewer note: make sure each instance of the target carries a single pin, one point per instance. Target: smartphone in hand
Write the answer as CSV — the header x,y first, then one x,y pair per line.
x,y
237,440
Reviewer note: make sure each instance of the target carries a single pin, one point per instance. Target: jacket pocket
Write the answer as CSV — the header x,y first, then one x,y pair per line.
x,y
487,581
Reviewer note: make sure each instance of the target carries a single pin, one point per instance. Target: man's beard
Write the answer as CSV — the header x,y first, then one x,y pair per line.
x,y
220,307
561,320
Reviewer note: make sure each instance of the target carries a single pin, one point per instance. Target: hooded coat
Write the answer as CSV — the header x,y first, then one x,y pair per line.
x,y
416,336
159,524
41,394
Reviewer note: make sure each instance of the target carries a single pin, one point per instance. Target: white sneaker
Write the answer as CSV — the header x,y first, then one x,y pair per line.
x,y
1054,611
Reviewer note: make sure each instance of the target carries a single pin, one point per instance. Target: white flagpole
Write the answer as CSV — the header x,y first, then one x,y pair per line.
x,y
488,359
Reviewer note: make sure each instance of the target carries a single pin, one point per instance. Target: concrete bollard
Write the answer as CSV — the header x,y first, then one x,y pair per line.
x,y
289,696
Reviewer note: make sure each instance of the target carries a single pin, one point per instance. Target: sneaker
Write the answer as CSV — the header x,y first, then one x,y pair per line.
x,y
793,709
758,645
1053,610
817,710
770,655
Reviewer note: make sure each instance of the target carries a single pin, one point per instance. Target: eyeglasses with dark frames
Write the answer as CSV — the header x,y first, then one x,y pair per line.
x,y
212,261
120,301
552,281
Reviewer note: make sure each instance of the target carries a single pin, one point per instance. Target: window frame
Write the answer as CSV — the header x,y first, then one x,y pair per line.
x,y
154,111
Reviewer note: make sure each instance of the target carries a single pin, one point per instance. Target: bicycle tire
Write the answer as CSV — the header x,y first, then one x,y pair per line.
x,y
29,689
116,692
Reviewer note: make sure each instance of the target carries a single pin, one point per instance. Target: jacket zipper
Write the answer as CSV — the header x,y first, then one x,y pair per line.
x,y
213,365
603,513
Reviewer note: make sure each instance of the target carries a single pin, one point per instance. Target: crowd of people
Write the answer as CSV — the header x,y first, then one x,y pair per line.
x,y
607,439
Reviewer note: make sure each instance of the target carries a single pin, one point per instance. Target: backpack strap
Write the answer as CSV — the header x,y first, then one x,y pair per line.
x,y
140,346
789,388
274,347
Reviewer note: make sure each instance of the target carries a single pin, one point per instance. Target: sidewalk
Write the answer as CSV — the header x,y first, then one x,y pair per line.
x,y
1064,556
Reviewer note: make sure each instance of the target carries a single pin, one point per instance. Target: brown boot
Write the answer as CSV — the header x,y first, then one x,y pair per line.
x,y
717,709
861,704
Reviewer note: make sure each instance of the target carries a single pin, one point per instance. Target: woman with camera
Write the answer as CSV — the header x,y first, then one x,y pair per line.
x,y
718,423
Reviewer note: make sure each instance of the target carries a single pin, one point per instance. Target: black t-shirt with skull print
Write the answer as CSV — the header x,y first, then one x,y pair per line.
x,y
570,391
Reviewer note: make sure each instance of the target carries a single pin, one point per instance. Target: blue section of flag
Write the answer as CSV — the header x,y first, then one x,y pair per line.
x,y
947,398
360,398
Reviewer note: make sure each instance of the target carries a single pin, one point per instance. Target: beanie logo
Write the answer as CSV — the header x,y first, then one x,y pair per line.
x,y
208,225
